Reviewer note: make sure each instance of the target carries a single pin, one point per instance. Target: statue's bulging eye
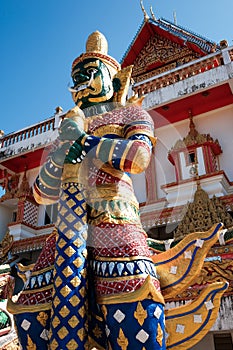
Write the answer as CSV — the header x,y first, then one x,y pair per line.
x,y
76,78
92,71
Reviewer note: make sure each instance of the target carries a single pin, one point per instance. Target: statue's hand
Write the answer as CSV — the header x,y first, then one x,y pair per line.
x,y
77,115
58,156
76,154
69,130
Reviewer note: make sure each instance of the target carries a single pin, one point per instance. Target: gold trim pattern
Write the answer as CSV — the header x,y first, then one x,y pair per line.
x,y
173,258
123,278
146,291
15,308
184,315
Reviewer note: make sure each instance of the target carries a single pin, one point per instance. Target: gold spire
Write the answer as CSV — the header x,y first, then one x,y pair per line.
x,y
152,14
192,129
193,137
146,17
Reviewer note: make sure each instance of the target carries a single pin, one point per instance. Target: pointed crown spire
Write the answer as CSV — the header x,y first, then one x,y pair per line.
x,y
97,47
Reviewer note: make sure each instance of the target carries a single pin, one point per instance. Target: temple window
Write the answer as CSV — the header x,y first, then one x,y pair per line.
x,y
191,159
50,214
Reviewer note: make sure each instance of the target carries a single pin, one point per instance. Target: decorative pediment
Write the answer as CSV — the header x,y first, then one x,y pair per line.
x,y
160,51
161,45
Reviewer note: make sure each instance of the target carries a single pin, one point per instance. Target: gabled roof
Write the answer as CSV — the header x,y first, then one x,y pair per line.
x,y
170,31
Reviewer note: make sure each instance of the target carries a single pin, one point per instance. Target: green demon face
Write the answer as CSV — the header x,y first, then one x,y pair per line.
x,y
92,83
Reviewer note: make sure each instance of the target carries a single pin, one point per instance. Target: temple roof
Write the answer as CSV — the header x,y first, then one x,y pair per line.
x,y
160,43
169,30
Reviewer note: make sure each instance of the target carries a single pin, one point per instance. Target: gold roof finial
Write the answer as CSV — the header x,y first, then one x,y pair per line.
x,y
146,17
192,129
152,14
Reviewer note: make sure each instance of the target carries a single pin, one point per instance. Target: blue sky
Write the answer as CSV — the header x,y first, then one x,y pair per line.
x,y
40,38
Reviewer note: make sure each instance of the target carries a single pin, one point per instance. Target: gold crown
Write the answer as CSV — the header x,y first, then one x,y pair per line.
x,y
96,42
97,47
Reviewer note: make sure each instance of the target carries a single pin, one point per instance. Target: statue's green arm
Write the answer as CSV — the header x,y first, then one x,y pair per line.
x,y
47,185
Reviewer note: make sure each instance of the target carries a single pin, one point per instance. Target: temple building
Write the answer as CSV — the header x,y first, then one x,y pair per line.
x,y
186,84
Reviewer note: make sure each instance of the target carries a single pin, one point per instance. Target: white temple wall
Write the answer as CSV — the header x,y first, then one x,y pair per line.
x,y
218,123
166,139
31,175
5,218
139,184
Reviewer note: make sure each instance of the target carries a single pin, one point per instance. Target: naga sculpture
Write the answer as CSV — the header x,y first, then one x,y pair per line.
x,y
97,284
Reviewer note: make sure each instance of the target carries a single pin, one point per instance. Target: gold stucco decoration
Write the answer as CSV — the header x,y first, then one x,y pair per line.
x,y
81,311
122,341
78,262
56,301
97,332
54,345
140,314
75,281
159,336
56,322
64,312
193,137
42,318
62,333
58,281
73,321
124,75
74,300
65,291
60,260
72,345
69,252
67,271
203,213
104,311
30,344
6,244
81,333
